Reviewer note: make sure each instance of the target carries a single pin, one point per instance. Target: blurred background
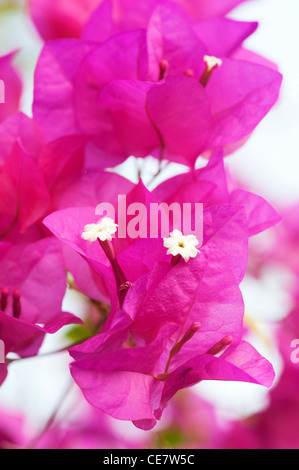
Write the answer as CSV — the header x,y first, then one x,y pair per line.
x,y
267,164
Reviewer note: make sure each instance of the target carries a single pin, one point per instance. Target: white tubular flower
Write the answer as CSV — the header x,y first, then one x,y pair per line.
x,y
179,244
212,62
102,230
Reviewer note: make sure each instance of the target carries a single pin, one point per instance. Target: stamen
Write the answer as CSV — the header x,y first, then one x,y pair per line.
x,y
187,336
164,65
16,303
3,298
211,64
218,347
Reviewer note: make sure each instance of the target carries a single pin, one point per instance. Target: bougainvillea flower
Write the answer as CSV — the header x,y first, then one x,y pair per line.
x,y
202,302
147,91
179,108
10,87
180,333
156,118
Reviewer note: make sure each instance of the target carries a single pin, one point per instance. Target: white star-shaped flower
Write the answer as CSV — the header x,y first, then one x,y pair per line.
x,y
102,230
179,244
